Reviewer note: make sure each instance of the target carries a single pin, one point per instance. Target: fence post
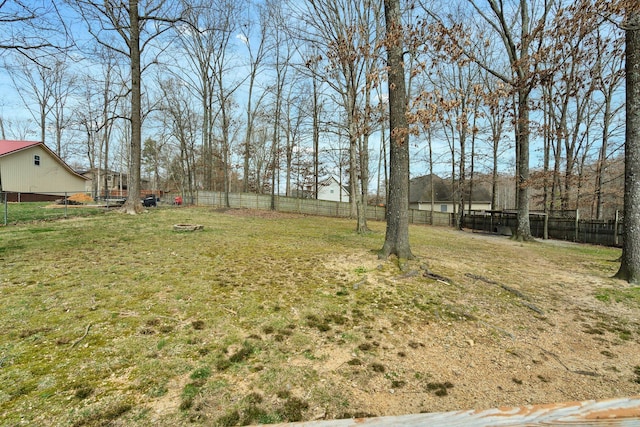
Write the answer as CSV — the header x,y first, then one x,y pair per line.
x,y
545,232
6,210
66,202
577,225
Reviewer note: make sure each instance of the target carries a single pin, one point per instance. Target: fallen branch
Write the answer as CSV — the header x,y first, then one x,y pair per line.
x,y
578,371
482,279
533,308
509,289
437,277
86,332
515,292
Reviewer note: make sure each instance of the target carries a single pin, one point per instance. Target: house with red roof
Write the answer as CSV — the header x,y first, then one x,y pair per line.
x,y
30,171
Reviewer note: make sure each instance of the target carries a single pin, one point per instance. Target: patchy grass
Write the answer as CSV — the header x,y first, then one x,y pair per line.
x,y
44,211
118,319
628,296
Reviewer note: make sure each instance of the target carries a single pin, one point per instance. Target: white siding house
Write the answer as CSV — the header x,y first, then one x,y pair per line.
x,y
31,167
330,189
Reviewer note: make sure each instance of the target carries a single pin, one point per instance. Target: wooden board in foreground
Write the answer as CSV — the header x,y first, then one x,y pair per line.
x,y
612,412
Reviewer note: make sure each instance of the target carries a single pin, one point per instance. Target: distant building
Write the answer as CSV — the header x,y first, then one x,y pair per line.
x,y
114,182
30,171
443,198
330,189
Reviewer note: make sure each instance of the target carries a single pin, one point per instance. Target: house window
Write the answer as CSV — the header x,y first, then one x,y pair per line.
x,y
331,191
443,208
36,160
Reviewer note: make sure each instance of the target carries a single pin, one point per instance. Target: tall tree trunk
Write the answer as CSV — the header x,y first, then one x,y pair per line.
x,y
630,265
397,234
226,149
601,167
362,226
247,141
462,177
316,137
133,205
207,146
546,103
352,129
476,102
523,230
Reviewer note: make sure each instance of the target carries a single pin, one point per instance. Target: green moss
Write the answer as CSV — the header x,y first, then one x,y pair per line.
x,y
83,392
439,389
292,410
378,367
229,419
103,415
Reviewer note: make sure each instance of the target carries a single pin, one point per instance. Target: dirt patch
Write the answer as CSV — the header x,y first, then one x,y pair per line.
x,y
527,340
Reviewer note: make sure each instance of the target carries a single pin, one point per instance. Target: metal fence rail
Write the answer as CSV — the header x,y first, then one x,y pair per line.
x,y
19,207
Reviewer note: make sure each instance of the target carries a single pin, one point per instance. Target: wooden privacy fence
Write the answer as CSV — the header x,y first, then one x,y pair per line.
x,y
311,207
599,232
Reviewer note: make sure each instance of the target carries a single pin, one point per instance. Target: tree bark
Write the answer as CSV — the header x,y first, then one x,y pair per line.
x,y
523,230
630,261
133,205
397,234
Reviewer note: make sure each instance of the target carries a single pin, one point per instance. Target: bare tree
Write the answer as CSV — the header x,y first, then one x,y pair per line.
x,y
397,233
137,24
63,87
182,122
32,29
609,76
279,62
495,99
206,41
34,83
343,35
520,27
45,88
256,59
630,261
87,121
568,87
260,153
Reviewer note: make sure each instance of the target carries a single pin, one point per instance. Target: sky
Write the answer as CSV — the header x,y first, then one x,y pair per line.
x,y
13,110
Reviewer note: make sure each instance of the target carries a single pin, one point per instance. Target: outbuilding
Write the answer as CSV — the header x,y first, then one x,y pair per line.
x,y
30,171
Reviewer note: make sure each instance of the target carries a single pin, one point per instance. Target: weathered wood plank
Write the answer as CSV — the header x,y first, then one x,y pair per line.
x,y
612,412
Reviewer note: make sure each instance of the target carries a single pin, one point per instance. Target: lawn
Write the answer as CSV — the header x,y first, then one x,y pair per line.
x,y
263,317
42,211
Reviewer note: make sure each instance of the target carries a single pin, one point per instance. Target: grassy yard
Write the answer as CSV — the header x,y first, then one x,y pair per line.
x,y
263,318
42,211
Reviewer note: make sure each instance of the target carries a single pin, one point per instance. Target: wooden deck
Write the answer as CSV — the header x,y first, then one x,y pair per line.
x,y
613,412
